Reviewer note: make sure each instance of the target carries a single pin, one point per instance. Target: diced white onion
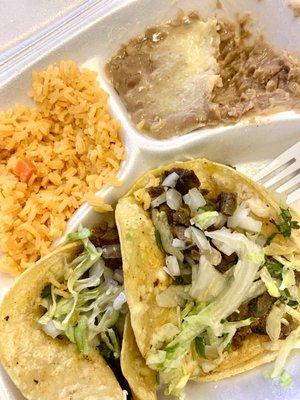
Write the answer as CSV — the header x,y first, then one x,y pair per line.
x,y
178,243
172,265
171,180
119,301
194,199
213,256
224,248
199,238
158,200
50,329
241,219
174,199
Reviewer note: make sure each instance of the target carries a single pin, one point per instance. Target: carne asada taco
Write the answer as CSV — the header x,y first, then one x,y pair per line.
x,y
61,323
211,268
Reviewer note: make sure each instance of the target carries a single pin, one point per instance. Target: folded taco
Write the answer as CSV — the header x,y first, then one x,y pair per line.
x,y
61,324
211,269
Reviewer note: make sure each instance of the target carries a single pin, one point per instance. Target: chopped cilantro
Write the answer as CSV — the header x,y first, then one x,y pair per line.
x,y
274,267
207,207
293,303
286,225
287,298
200,346
158,239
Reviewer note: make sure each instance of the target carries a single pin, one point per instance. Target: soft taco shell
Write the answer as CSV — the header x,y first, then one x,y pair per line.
x,y
42,367
143,260
141,379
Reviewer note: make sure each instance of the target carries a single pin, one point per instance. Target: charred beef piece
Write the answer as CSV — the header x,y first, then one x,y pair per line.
x,y
227,203
260,308
244,313
155,191
286,329
195,254
113,263
186,181
104,234
240,336
178,232
169,212
297,277
182,216
227,262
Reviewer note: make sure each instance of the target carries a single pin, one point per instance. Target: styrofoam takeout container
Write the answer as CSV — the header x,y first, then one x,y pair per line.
x,y
90,35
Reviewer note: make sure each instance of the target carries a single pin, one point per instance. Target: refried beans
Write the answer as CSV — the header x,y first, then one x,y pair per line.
x,y
190,73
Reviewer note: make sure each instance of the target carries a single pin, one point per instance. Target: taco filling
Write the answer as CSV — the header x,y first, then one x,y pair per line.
x,y
225,283
88,305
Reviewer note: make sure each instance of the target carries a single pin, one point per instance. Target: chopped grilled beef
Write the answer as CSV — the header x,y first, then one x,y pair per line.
x,y
243,313
240,336
227,262
260,308
227,203
286,329
164,207
297,277
107,235
113,263
178,232
182,216
204,192
155,191
195,254
103,234
186,181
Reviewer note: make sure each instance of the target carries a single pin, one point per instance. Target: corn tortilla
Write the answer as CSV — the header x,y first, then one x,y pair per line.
x,y
42,367
143,261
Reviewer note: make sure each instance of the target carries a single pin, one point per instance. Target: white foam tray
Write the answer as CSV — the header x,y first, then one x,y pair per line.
x,y
91,37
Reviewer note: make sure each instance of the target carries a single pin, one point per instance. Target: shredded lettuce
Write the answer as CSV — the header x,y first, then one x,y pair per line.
x,y
160,222
83,233
207,282
205,219
290,343
90,308
273,322
250,259
271,283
